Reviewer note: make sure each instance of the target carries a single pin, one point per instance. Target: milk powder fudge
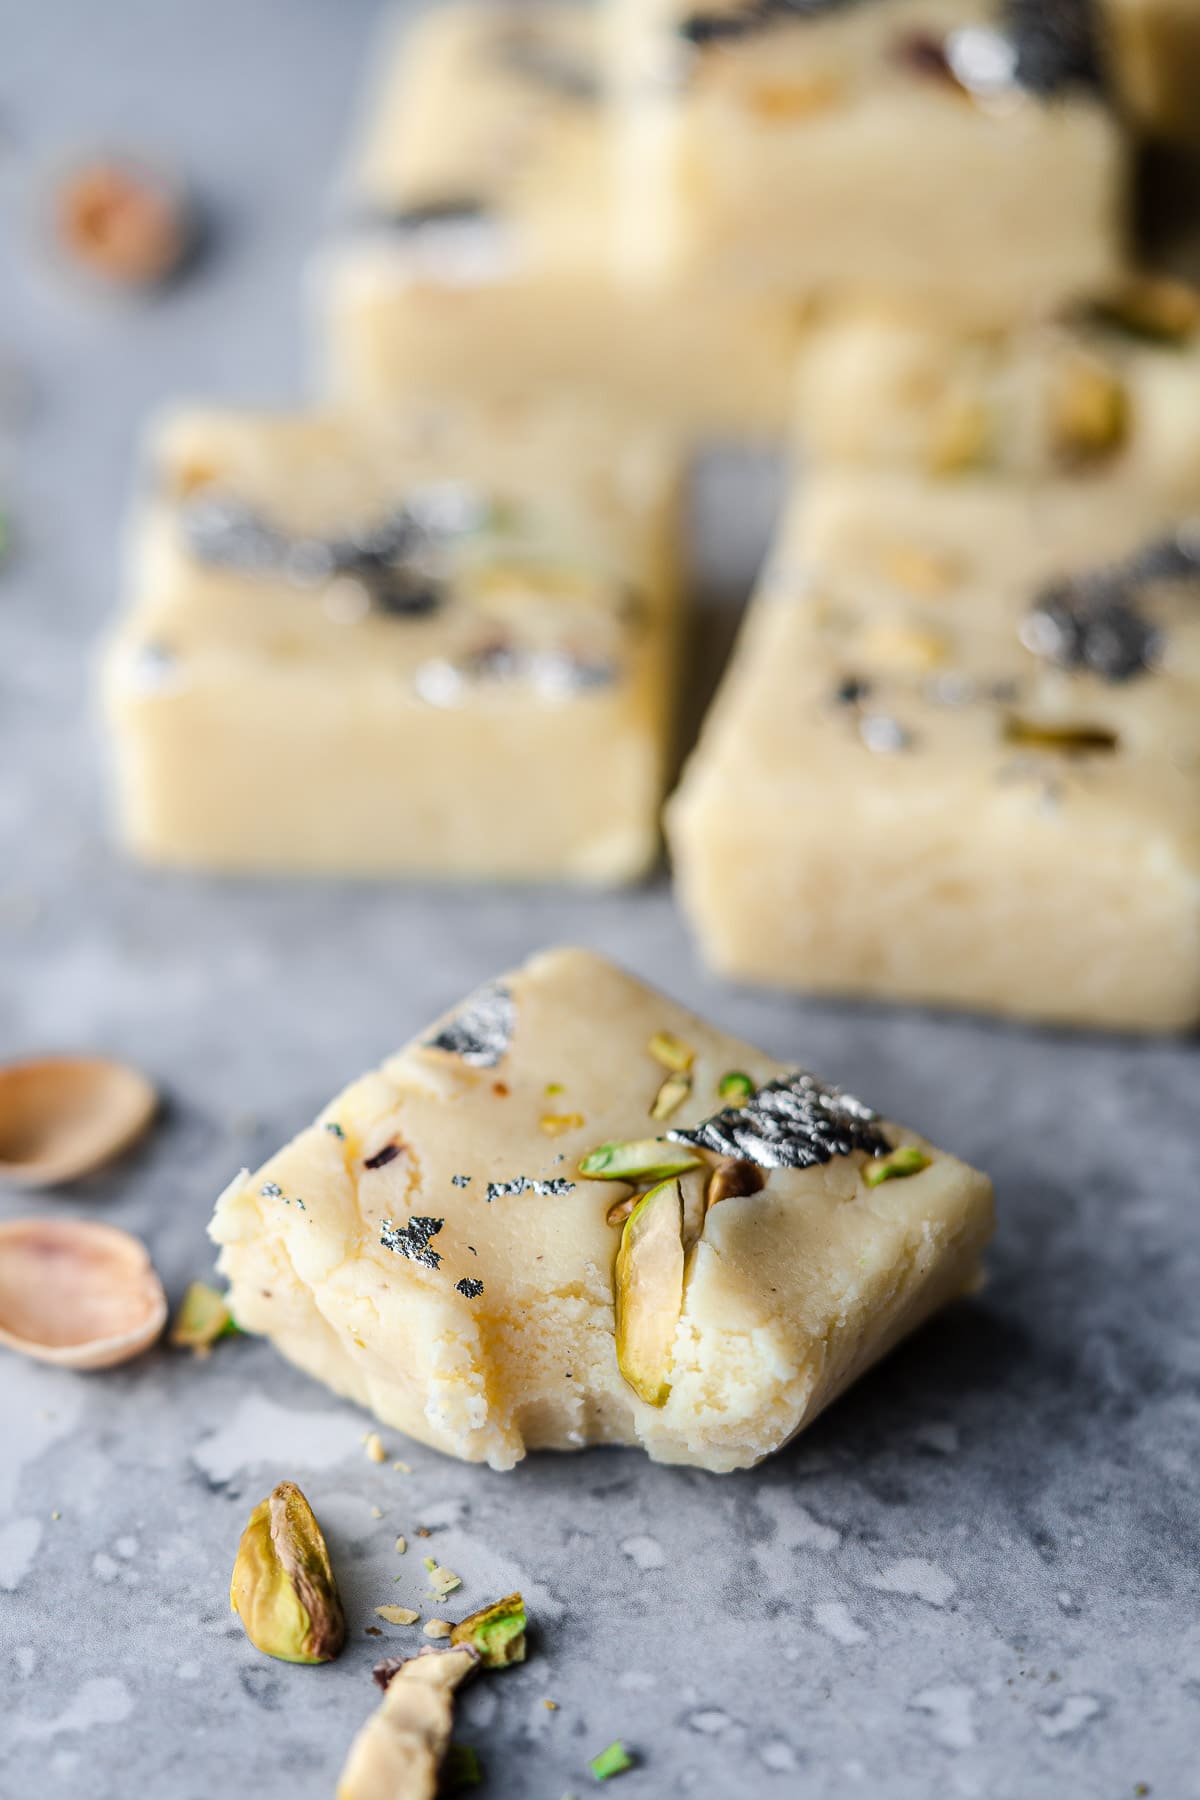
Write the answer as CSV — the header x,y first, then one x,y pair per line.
x,y
1113,389
1155,49
957,757
443,648
481,264
954,152
574,1213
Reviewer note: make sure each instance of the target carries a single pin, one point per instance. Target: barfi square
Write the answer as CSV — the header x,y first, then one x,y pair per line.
x,y
482,262
957,757
950,152
1110,390
444,648
574,1213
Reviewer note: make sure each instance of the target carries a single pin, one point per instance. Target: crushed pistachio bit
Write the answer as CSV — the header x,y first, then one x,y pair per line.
x,y
550,1705
373,1444
462,1767
556,1124
377,1512
620,1210
429,1562
397,1615
334,1129
671,1096
907,1160
437,1628
616,1760
644,1159
401,1546
671,1052
402,1468
554,1087
731,1179
735,1088
496,1633
443,1581
202,1319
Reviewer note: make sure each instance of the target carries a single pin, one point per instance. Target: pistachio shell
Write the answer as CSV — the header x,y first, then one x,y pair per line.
x,y
63,1116
76,1293
283,1586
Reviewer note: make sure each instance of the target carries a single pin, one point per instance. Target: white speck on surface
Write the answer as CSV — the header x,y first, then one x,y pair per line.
x,y
104,1701
645,1552
711,1721
19,1541
778,1756
1074,1713
916,1577
261,1432
104,1568
836,1621
1065,1600
126,1548
950,1707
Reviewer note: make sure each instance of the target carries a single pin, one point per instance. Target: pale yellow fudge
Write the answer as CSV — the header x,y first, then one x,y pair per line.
x,y
441,648
1155,52
1113,390
933,150
454,1242
957,757
482,263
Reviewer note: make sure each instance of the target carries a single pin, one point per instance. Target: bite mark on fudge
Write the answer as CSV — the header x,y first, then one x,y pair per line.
x,y
481,1031
412,1240
793,1123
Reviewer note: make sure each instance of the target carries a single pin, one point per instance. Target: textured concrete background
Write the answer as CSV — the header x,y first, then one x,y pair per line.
x,y
977,1577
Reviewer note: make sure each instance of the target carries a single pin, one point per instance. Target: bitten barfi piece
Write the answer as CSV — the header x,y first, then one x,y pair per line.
x,y
481,262
957,757
1112,390
573,1213
444,648
957,153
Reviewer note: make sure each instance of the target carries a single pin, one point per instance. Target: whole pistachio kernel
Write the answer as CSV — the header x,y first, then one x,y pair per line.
x,y
735,1088
496,1633
283,1586
907,1160
643,1159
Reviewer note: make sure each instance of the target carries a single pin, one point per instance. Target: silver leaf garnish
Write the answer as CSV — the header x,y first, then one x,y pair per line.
x,y
481,1030
793,1123
412,1240
525,1184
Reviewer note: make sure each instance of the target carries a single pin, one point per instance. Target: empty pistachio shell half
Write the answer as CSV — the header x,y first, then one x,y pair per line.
x,y
63,1116
77,1294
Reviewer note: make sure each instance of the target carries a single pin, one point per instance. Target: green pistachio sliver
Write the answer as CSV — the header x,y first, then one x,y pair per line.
x,y
496,1633
671,1096
908,1160
462,1767
735,1088
202,1319
642,1159
616,1760
671,1052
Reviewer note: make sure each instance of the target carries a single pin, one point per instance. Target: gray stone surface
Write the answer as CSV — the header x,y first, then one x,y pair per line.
x,y
976,1577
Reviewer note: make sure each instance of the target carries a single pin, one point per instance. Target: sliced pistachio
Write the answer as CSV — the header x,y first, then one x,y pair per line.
x,y
671,1052
907,1160
1089,411
735,1088
1070,740
203,1317
648,1291
397,1615
558,1124
283,1587
496,1633
643,1159
615,1760
1155,307
620,1210
671,1096
961,435
731,1179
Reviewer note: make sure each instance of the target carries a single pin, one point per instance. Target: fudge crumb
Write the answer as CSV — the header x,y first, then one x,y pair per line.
x,y
374,1447
377,1512
397,1615
401,1546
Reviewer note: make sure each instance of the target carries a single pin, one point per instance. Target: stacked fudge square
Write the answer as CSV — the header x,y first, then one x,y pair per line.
x,y
433,628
